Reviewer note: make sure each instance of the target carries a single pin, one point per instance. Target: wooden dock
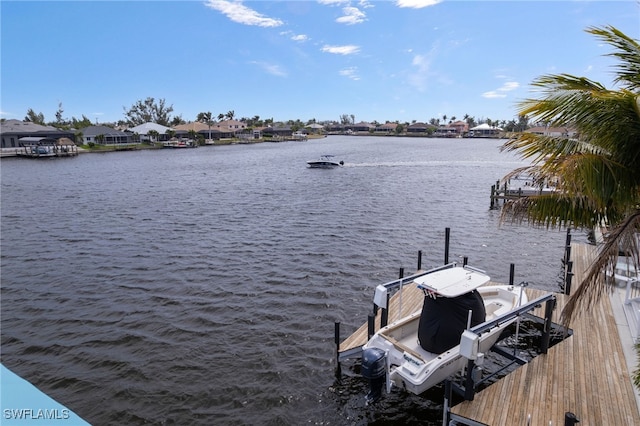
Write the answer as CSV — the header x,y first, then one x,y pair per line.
x,y
586,374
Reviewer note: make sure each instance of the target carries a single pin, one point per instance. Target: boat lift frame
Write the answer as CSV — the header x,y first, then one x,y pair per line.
x,y
469,351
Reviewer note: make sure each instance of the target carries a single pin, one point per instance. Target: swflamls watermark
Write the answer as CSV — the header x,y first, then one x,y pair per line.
x,y
36,414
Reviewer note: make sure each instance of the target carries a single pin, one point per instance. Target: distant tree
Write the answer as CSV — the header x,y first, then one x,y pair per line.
x,y
153,135
79,137
171,133
444,119
80,124
220,117
511,126
59,119
347,119
149,111
353,119
34,118
177,120
523,123
230,114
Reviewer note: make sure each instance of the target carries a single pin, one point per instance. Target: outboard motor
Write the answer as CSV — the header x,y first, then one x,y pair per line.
x,y
374,369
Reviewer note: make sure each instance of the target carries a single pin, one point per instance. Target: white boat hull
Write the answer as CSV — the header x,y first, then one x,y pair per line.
x,y
411,367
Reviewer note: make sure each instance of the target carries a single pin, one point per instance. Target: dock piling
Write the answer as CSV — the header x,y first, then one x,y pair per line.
x,y
546,329
512,274
384,315
447,234
336,339
371,326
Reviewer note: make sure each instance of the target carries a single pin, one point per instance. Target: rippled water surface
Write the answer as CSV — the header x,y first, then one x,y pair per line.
x,y
201,286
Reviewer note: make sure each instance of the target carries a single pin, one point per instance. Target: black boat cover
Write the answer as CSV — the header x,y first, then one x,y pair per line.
x,y
444,319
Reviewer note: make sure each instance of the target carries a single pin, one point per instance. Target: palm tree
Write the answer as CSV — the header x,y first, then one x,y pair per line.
x,y
207,118
597,170
153,135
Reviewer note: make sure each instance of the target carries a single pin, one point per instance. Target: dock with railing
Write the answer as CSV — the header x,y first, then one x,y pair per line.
x,y
586,374
585,377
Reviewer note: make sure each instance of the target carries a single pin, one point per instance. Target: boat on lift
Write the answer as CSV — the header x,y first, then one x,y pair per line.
x,y
421,350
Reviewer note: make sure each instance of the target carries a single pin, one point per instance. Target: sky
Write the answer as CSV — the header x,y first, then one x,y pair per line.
x,y
400,60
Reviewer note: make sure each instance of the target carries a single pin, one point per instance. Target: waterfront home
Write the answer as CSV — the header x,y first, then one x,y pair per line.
x,y
105,135
151,132
387,128
484,131
208,132
11,131
418,128
552,131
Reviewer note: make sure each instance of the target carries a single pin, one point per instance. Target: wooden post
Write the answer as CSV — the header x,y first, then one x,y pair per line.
x,y
419,260
512,274
546,330
493,195
567,247
446,412
447,233
371,326
336,338
568,279
469,386
384,315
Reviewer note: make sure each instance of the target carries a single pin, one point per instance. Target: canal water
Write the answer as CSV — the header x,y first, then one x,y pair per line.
x,y
201,286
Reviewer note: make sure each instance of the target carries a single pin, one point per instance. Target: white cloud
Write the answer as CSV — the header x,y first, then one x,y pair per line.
x,y
493,94
348,49
418,78
501,91
333,2
351,72
242,14
352,15
294,37
272,69
509,86
417,4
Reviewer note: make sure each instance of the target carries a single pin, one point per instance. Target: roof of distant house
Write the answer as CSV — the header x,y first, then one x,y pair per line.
x,y
18,126
144,129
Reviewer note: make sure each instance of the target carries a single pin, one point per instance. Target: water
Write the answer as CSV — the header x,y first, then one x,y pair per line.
x,y
201,286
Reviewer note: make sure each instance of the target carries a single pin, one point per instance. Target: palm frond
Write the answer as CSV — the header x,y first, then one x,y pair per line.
x,y
628,53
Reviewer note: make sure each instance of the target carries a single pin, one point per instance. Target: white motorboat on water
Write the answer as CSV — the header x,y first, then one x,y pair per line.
x,y
325,162
422,349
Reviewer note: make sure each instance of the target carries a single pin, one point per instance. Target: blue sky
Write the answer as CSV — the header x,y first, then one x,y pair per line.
x,y
377,60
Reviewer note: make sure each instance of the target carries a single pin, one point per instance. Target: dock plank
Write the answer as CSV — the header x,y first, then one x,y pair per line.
x,y
585,374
